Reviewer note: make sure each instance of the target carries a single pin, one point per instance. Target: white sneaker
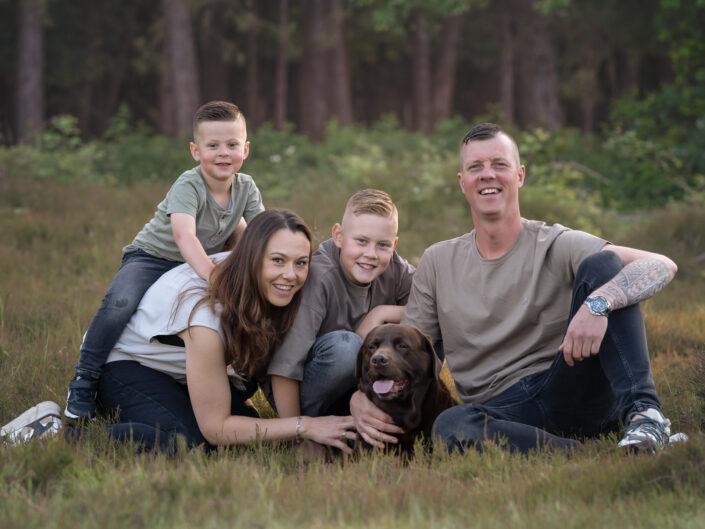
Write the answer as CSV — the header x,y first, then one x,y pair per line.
x,y
649,431
42,420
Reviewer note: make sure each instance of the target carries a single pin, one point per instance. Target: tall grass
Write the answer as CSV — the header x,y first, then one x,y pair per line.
x,y
59,247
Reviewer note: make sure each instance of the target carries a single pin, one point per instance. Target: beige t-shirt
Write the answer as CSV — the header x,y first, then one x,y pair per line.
x,y
500,319
330,302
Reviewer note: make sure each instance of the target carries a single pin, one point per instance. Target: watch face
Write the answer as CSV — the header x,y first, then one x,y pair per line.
x,y
599,305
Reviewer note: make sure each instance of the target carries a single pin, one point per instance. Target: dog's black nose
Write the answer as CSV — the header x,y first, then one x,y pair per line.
x,y
379,360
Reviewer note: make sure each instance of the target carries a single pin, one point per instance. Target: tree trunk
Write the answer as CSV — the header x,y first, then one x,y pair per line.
x,y
120,66
313,61
506,68
182,64
281,81
252,85
421,75
340,98
167,121
543,103
444,76
30,95
211,37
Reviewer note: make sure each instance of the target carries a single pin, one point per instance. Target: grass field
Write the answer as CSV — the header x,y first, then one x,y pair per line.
x,y
59,247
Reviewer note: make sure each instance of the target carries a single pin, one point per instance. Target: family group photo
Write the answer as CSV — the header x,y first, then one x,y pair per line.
x,y
343,263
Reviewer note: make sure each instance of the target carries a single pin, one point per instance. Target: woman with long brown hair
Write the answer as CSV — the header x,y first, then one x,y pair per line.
x,y
193,354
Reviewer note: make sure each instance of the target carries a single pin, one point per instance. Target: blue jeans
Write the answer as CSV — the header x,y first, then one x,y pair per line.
x,y
550,408
329,374
153,409
138,271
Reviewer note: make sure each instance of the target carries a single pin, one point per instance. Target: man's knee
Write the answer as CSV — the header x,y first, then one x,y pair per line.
x,y
601,266
459,426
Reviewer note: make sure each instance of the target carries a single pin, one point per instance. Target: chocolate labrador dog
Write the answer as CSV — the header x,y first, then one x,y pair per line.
x,y
398,370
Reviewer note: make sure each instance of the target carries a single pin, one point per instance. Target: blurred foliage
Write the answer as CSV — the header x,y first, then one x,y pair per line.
x,y
626,170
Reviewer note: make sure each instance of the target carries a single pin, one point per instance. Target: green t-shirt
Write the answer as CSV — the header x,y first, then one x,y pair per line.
x,y
214,224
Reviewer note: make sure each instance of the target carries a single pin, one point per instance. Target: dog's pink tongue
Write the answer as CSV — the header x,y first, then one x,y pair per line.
x,y
382,386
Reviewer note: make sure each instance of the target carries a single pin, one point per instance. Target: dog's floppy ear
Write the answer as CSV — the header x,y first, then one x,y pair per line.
x,y
436,364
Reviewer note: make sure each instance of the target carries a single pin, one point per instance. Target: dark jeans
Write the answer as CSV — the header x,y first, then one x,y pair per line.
x,y
153,409
138,271
588,399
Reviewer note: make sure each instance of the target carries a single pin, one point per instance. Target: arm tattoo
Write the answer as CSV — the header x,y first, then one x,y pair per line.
x,y
637,281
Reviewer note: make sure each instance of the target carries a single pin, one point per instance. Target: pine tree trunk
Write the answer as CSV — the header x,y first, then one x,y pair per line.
x,y
444,77
252,75
421,75
167,121
281,81
213,69
184,73
543,106
312,97
506,68
340,100
30,91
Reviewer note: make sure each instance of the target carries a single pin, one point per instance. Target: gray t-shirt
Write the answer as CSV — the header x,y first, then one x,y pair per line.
x,y
500,319
214,224
330,302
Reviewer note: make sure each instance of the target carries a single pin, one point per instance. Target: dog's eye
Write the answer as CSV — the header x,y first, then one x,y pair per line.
x,y
372,347
401,346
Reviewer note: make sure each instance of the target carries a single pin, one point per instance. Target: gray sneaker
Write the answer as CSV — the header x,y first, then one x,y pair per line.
x,y
650,432
42,420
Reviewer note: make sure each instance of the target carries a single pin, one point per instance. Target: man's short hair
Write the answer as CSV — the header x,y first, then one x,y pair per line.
x,y
216,111
371,202
486,131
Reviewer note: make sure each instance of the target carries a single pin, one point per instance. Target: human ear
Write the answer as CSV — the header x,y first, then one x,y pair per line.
x,y
337,233
195,154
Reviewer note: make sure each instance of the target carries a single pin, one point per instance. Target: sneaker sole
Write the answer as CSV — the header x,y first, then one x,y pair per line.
x,y
40,411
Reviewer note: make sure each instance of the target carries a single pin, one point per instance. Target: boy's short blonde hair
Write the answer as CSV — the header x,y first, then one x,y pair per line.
x,y
217,111
371,202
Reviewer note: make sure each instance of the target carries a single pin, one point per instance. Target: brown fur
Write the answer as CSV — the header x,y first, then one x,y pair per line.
x,y
403,353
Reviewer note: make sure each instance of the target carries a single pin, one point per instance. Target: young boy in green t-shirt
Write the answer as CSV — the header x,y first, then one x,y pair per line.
x,y
205,207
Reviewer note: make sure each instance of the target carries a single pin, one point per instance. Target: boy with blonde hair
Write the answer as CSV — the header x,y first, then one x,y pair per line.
x,y
204,208
356,281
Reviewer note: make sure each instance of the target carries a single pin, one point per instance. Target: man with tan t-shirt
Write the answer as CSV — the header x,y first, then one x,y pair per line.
x,y
501,298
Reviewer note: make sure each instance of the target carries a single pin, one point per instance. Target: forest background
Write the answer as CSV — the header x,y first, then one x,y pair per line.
x,y
606,100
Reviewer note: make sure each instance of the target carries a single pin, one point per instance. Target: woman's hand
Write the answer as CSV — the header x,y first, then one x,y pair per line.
x,y
330,430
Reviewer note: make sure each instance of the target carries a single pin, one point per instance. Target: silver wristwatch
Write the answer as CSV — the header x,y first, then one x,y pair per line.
x,y
598,305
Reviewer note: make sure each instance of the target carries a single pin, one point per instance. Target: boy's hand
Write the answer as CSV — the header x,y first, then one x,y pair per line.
x,y
379,315
371,422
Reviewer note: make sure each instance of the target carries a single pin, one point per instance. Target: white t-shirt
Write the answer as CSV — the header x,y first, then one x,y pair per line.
x,y
164,311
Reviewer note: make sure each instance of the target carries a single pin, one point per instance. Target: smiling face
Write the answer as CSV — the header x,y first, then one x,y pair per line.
x,y
490,177
221,147
366,245
284,266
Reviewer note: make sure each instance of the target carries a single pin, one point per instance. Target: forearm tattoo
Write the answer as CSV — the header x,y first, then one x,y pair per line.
x,y
637,281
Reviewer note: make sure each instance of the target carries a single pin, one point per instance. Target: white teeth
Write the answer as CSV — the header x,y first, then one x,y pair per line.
x,y
366,266
284,287
489,191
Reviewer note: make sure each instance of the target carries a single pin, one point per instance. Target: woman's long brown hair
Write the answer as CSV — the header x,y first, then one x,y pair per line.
x,y
252,326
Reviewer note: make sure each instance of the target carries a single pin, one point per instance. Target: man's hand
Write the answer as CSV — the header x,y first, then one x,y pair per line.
x,y
584,336
371,422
